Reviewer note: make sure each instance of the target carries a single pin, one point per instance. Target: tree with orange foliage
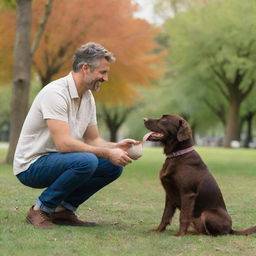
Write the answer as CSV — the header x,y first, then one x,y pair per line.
x,y
108,22
112,24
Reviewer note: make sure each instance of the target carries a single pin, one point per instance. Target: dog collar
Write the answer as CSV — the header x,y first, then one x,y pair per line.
x,y
180,152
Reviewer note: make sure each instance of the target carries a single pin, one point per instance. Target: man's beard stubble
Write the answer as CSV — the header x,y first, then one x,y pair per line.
x,y
95,85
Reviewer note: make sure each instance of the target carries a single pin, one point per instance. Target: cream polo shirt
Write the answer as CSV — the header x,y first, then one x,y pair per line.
x,y
58,100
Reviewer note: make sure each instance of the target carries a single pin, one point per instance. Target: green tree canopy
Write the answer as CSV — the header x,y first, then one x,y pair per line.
x,y
212,49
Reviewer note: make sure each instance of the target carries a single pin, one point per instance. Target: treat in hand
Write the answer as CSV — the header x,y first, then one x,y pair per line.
x,y
135,151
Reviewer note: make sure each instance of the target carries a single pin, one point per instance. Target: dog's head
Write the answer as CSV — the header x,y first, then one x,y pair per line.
x,y
166,128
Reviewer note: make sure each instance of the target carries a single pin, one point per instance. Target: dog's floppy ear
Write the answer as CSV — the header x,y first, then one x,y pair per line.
x,y
184,132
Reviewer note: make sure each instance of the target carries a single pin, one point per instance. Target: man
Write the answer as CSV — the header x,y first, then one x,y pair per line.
x,y
60,148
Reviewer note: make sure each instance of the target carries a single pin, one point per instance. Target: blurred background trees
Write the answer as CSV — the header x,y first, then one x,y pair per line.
x,y
198,62
212,48
72,23
22,58
211,62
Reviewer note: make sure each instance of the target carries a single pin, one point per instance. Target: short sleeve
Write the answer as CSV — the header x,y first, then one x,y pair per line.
x,y
54,105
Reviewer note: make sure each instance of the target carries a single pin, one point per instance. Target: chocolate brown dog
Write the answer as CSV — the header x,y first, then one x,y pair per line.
x,y
188,184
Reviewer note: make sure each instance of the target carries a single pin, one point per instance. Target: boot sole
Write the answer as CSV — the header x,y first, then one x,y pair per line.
x,y
27,220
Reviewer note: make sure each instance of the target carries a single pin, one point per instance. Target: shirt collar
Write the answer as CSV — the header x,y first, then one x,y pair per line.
x,y
72,86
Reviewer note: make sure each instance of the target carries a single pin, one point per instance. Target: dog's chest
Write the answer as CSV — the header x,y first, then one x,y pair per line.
x,y
176,177
169,177
169,170
169,180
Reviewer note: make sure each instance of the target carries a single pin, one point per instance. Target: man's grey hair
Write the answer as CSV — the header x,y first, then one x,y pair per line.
x,y
90,54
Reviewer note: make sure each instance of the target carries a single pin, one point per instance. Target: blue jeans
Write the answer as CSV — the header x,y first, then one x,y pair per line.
x,y
69,178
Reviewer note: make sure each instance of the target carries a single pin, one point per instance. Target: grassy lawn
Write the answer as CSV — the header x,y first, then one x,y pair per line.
x,y
128,208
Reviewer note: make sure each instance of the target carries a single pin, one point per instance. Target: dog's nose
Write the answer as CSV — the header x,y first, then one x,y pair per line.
x,y
145,119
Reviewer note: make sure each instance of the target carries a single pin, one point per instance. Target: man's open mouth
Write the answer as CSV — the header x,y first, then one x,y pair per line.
x,y
154,136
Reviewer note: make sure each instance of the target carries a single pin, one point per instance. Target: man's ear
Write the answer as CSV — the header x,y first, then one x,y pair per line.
x,y
184,132
85,67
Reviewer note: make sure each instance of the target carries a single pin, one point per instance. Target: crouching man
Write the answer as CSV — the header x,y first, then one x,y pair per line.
x,y
60,148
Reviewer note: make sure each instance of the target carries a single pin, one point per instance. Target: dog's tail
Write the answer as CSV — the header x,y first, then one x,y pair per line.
x,y
245,232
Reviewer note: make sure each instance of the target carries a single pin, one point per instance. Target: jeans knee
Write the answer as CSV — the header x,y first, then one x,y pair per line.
x,y
117,171
85,162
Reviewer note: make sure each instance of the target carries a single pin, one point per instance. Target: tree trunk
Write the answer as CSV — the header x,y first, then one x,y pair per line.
x,y
248,120
23,53
45,80
232,126
114,117
193,128
113,133
113,125
21,73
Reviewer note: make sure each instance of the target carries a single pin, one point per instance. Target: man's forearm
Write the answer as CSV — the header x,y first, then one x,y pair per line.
x,y
74,145
99,142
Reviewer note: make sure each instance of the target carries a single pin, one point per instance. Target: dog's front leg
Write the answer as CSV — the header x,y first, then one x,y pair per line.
x,y
186,211
169,211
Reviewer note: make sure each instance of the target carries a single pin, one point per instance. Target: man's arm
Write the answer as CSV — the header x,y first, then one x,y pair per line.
x,y
65,143
92,137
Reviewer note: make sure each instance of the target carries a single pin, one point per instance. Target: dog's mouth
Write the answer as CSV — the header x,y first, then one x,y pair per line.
x,y
153,136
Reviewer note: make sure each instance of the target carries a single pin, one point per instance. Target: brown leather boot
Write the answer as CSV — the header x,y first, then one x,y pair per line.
x,y
69,218
39,219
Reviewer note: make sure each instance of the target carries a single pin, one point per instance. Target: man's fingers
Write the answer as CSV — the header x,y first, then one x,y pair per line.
x,y
133,142
127,159
120,157
130,142
122,163
124,160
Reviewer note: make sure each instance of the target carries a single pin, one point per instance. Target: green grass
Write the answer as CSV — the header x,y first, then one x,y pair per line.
x,y
128,208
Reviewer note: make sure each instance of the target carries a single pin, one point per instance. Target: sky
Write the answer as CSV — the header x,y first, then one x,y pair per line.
x,y
146,10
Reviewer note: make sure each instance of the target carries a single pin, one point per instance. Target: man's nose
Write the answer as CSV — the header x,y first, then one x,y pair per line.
x,y
105,77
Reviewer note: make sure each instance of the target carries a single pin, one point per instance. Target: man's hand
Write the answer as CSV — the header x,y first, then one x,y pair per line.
x,y
126,143
119,157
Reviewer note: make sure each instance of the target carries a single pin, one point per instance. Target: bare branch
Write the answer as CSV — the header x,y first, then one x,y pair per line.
x,y
224,93
248,90
221,75
42,25
218,111
238,77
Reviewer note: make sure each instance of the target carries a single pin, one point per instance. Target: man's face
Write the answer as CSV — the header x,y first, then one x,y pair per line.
x,y
94,78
